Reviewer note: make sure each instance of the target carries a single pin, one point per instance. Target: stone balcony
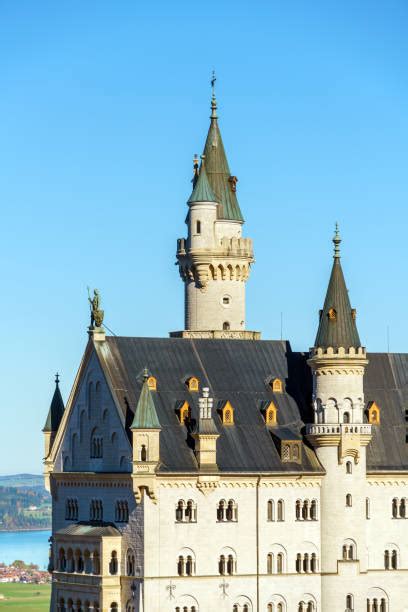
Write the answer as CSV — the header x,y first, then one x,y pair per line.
x,y
336,428
225,247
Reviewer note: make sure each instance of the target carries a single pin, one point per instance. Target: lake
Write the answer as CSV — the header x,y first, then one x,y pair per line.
x,y
29,546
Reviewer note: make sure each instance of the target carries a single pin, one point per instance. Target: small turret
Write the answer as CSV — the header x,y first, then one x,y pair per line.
x,y
54,417
146,442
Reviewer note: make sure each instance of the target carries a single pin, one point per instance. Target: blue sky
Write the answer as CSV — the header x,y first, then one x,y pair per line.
x,y
103,105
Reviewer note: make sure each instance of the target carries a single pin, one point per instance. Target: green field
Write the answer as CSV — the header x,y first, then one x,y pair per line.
x,y
30,597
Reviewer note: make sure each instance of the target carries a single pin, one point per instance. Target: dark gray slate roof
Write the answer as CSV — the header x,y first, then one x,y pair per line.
x,y
239,371
90,530
55,412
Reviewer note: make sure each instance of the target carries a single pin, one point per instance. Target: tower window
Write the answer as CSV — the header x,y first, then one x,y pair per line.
x,y
226,326
198,227
225,300
349,467
349,500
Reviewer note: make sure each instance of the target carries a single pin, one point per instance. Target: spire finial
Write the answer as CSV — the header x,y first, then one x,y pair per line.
x,y
57,379
336,242
213,99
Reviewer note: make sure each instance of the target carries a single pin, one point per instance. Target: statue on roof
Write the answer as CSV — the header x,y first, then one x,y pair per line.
x,y
96,312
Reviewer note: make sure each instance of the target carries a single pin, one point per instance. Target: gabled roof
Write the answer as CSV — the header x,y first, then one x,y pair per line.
x,y
337,326
56,410
145,414
218,172
202,191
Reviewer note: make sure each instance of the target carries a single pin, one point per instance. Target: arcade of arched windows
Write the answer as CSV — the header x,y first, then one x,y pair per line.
x,y
306,606
276,607
78,561
377,604
121,511
71,509
186,609
186,565
306,510
227,511
307,563
391,558
399,508
186,512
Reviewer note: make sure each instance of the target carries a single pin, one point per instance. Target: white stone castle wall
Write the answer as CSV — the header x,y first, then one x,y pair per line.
x,y
205,309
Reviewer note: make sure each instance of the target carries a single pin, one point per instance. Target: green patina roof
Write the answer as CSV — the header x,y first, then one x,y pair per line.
x,y
202,191
218,171
145,414
56,410
340,329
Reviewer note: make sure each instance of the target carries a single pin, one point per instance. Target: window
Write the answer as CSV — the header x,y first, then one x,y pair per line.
x,y
130,563
186,512
227,511
198,227
271,414
368,508
373,413
96,445
349,551
391,559
349,467
276,385
280,515
225,300
349,500
281,509
152,383
349,603
271,510
71,509
375,604
121,512
307,563
96,510
275,561
306,606
186,565
227,414
114,606
113,563
143,453
193,384
226,326
306,510
346,417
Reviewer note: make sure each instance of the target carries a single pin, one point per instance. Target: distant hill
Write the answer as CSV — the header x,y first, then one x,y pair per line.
x,y
24,503
22,480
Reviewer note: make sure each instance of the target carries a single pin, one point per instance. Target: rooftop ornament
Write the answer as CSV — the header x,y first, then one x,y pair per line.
x,y
96,312
336,242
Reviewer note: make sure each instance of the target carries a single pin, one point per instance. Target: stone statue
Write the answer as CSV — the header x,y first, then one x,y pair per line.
x,y
96,312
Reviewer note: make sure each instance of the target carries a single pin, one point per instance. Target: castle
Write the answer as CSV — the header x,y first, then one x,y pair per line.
x,y
216,471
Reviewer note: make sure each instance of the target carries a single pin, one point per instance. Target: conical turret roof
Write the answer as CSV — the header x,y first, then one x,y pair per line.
x,y
218,172
337,325
145,413
202,191
56,410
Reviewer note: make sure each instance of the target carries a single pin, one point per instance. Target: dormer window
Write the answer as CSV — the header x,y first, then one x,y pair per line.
x,y
373,413
332,314
227,414
152,383
276,385
271,414
193,384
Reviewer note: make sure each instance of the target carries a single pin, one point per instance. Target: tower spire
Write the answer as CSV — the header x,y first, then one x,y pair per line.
x,y
337,325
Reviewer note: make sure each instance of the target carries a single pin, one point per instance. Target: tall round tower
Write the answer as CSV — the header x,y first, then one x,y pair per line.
x,y
214,260
340,437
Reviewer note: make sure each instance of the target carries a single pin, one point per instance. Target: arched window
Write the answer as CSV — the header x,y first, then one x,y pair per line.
x,y
230,565
269,563
277,385
221,510
395,508
279,563
314,564
232,511
121,511
403,508
281,510
349,551
270,510
130,563
191,512
226,326
349,603
96,510
180,511
313,510
62,561
114,606
96,445
298,510
271,414
152,383
222,565
349,467
143,453
227,414
113,564
193,384
346,417
367,508
349,500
